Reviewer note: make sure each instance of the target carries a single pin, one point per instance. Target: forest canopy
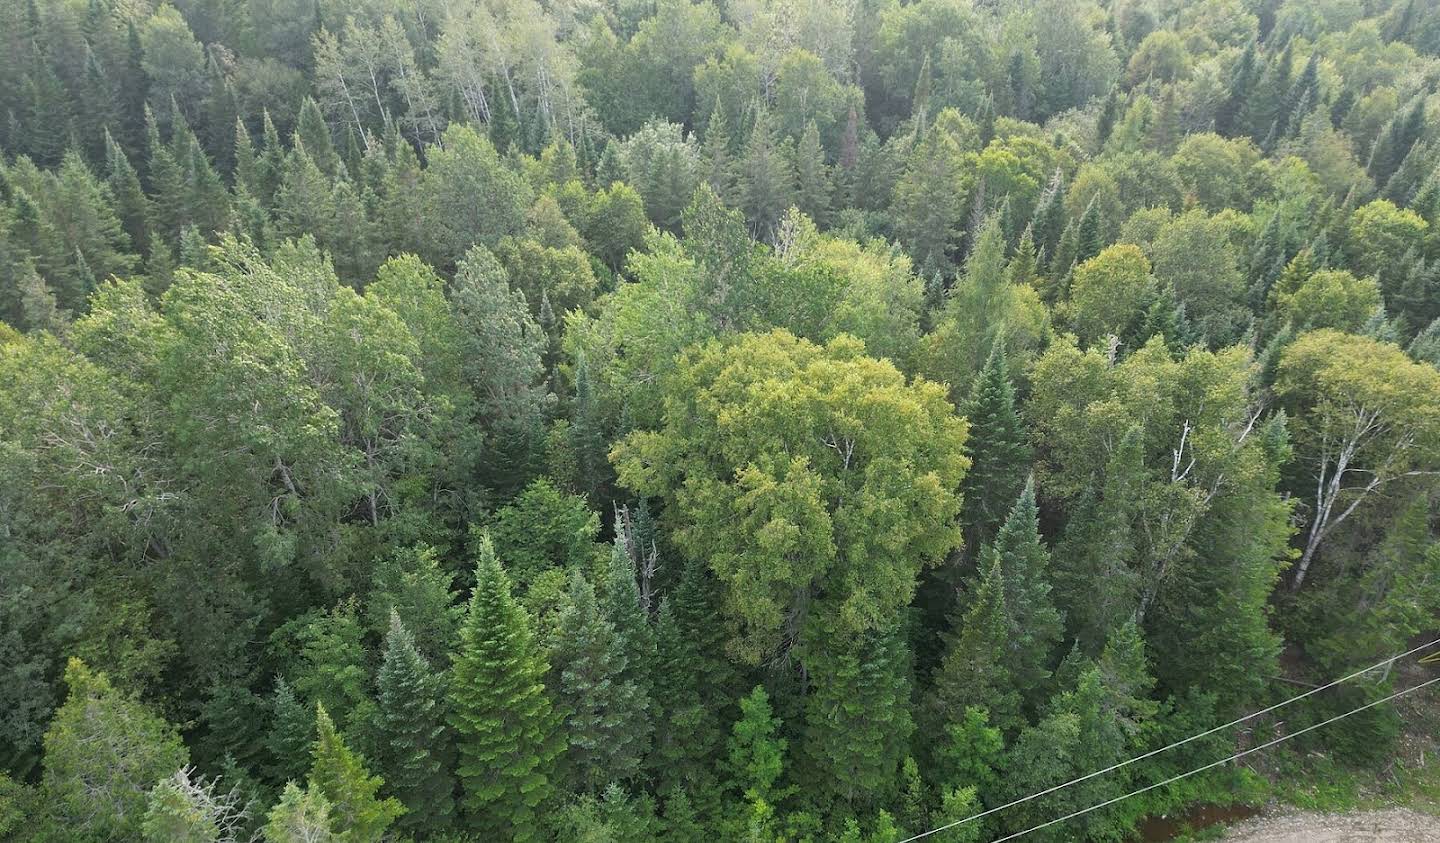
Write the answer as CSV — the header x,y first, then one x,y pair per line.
x,y
680,420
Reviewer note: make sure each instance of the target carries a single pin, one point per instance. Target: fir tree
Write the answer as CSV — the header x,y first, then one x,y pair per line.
x,y
1088,239
1242,80
313,132
857,719
766,183
505,730
975,668
339,773
131,204
587,436
999,451
300,815
717,157
292,730
103,751
604,713
756,751
1024,563
1097,547
812,176
414,752
186,809
1049,222
620,603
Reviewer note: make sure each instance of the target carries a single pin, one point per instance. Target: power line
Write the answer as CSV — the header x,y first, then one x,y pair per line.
x,y
1213,764
1169,747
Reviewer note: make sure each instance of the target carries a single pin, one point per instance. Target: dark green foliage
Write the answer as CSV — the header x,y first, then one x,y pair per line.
x,y
975,670
858,725
506,734
604,709
303,309
415,747
292,728
999,451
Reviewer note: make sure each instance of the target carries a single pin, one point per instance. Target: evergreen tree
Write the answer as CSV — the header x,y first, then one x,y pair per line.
x,y
313,132
1049,222
131,204
339,773
604,713
687,733
857,718
1097,547
1024,563
766,182
1088,239
718,160
756,751
300,815
1242,81
975,668
620,604
103,751
292,730
186,809
999,451
587,436
505,730
812,194
270,163
414,752
246,174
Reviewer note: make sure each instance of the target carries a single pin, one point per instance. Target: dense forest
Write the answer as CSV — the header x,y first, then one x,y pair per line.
x,y
765,420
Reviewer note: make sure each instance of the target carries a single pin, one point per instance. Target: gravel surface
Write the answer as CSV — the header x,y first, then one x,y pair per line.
x,y
1394,825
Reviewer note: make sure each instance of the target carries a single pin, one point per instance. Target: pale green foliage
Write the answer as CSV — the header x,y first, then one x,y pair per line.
x,y
832,477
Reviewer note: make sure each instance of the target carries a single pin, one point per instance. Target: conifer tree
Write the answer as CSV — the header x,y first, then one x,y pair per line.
x,y
1242,80
505,731
756,751
715,153
1025,263
998,448
687,731
1097,548
766,182
857,718
300,815
269,163
131,204
339,772
414,753
605,723
245,172
812,194
975,668
292,730
313,132
184,808
1088,239
587,436
1024,564
1049,222
619,595
103,751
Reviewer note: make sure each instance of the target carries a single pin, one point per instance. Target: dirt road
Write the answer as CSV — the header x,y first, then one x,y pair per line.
x,y
1395,825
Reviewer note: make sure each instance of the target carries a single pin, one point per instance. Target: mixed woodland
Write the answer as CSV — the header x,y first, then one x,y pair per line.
x,y
756,420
